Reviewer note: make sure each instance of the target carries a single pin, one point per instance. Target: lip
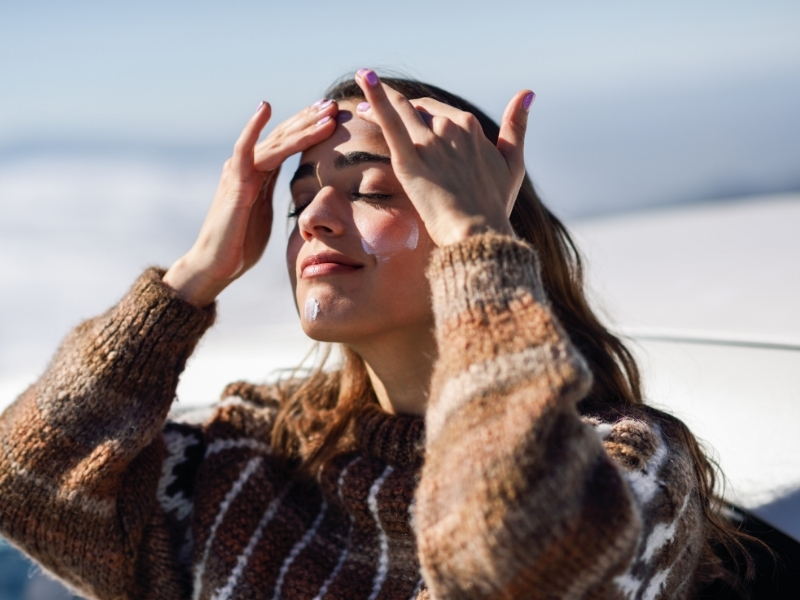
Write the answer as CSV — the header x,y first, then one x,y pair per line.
x,y
327,263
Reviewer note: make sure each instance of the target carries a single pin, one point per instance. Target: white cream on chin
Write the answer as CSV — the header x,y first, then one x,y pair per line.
x,y
311,309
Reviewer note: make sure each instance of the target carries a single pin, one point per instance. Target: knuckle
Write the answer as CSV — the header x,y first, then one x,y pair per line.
x,y
470,121
518,127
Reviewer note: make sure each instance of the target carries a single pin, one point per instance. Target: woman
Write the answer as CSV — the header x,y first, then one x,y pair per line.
x,y
484,438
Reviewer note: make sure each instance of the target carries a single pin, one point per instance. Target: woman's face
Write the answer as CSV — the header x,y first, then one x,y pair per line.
x,y
358,251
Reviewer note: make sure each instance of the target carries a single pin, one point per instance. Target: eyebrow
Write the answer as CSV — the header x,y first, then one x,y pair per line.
x,y
343,161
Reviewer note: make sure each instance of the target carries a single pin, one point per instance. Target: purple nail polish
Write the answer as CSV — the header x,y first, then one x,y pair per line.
x,y
372,78
528,100
361,72
324,120
318,102
325,104
261,105
362,107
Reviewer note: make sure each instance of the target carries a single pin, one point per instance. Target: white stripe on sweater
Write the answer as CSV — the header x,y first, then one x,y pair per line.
x,y
236,488
417,589
177,443
343,556
645,483
337,569
232,444
627,584
383,560
342,475
225,592
297,549
662,533
656,584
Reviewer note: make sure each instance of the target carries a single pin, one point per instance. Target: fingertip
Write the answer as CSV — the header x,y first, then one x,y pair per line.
x,y
263,112
368,76
527,100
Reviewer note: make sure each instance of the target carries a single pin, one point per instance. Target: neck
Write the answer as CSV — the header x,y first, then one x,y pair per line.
x,y
400,367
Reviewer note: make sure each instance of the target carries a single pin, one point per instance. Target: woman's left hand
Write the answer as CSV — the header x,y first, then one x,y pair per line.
x,y
460,183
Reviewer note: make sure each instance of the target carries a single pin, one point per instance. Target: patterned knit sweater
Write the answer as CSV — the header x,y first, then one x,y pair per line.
x,y
504,491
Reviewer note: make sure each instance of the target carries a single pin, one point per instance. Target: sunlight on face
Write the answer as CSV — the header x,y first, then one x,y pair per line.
x,y
358,251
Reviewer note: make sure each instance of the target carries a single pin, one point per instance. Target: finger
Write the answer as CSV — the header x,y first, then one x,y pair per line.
x,y
267,189
309,115
511,141
242,157
310,126
440,109
441,117
391,111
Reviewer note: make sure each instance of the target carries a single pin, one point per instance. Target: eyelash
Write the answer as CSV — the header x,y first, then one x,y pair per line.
x,y
295,212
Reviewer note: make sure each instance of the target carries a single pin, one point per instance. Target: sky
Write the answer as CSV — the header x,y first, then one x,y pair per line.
x,y
638,103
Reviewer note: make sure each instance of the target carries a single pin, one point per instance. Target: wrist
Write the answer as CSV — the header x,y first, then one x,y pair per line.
x,y
191,284
465,228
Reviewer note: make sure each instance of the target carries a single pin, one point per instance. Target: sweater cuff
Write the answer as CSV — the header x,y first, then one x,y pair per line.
x,y
140,344
157,327
486,269
185,319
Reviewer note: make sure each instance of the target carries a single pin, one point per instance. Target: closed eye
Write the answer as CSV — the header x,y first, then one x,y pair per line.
x,y
295,211
360,196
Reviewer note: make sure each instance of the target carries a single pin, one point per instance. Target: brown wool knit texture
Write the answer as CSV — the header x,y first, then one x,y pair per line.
x,y
504,491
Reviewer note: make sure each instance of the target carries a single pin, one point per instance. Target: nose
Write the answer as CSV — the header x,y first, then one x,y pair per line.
x,y
323,217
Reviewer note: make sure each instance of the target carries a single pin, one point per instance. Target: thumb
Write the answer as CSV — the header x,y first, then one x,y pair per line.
x,y
511,141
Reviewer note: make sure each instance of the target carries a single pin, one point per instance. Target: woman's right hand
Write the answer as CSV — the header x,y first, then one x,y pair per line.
x,y
236,230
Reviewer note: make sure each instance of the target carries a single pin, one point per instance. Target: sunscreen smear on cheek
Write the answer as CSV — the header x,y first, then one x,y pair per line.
x,y
413,236
311,309
385,243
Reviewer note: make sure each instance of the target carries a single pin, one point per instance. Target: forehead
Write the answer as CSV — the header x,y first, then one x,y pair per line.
x,y
352,134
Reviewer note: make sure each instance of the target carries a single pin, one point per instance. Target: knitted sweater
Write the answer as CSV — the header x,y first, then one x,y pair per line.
x,y
504,491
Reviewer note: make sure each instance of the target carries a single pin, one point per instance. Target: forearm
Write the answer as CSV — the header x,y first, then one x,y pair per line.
x,y
515,487
81,448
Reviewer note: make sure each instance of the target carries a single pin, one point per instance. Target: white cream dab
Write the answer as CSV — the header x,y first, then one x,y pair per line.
x,y
383,247
413,238
311,309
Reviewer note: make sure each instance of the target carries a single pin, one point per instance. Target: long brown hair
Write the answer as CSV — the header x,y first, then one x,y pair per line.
x,y
317,412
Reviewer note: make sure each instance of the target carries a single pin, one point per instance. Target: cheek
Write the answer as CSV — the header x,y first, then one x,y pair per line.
x,y
386,235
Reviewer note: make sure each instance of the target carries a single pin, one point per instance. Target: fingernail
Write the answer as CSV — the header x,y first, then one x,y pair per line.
x,y
318,102
324,104
369,76
528,100
261,105
362,107
324,120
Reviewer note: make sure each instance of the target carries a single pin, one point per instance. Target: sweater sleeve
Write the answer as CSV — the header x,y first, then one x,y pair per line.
x,y
519,496
82,448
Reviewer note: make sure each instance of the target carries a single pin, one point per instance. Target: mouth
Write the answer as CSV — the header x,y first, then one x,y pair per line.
x,y
327,263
